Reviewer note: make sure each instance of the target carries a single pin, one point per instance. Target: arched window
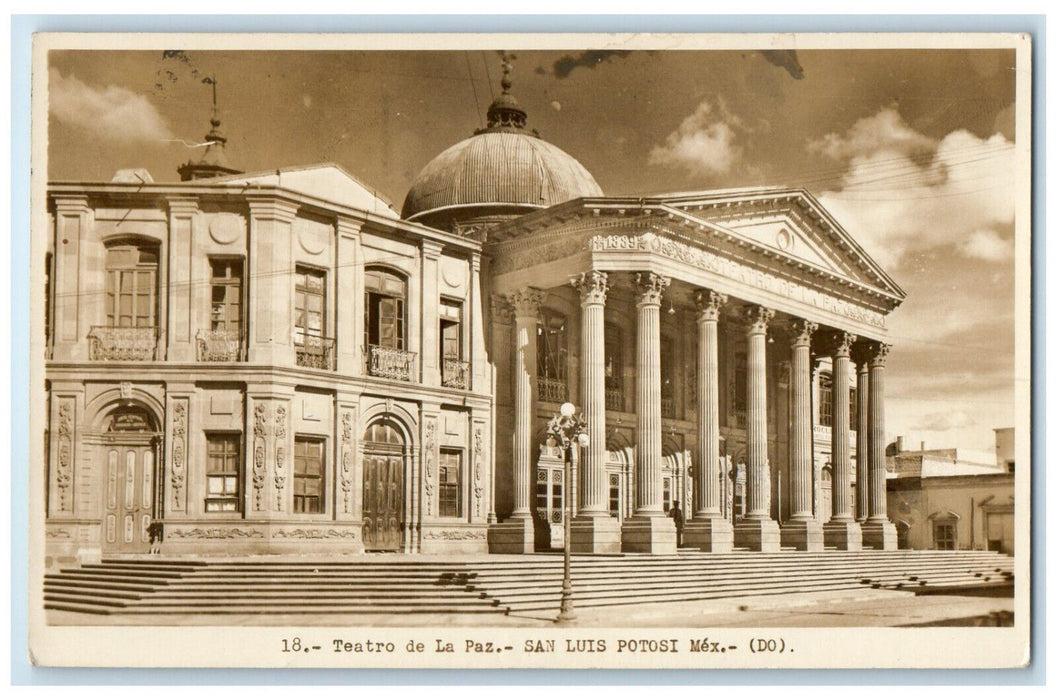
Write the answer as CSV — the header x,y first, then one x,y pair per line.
x,y
131,285
552,351
825,399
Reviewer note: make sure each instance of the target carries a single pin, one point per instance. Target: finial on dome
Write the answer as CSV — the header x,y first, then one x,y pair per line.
x,y
505,114
214,161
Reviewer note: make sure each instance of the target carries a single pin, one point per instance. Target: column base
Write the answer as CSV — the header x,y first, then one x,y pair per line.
x,y
512,536
649,534
844,535
758,535
804,535
709,535
595,534
880,534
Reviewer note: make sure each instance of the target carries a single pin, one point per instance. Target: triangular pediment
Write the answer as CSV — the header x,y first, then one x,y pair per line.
x,y
790,225
326,181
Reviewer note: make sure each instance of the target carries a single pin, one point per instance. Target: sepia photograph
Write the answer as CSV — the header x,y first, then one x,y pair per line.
x,y
537,351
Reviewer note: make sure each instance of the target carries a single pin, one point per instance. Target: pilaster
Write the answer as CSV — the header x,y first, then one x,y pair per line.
x,y
430,354
73,219
176,282
270,282
348,301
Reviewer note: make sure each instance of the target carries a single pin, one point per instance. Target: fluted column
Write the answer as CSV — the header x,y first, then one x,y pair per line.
x,y
862,433
800,444
878,531
649,492
526,304
516,535
758,530
708,529
842,531
596,531
649,530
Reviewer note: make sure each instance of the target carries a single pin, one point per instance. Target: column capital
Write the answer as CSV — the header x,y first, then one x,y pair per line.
x,y
268,208
878,354
650,286
71,205
475,261
349,228
708,304
431,249
502,309
182,205
861,353
802,330
839,343
758,317
593,286
526,302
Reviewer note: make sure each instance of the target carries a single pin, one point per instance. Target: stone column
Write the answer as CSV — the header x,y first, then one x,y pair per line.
x,y
862,432
878,531
649,529
708,529
842,531
803,530
516,534
593,530
757,531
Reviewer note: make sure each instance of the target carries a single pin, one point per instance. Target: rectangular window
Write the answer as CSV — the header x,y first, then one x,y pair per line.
x,y
450,490
667,495
223,465
825,399
309,304
48,296
226,310
946,536
450,330
741,382
614,495
131,287
385,323
308,474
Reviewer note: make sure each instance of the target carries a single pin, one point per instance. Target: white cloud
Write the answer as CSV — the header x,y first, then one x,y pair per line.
x,y
893,203
704,143
986,244
111,113
940,422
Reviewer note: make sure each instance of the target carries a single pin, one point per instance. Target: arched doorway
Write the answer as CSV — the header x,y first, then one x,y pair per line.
x,y
384,453
129,443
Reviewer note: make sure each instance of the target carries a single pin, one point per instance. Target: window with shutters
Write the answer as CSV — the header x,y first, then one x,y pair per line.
x,y
309,472
223,465
450,488
131,286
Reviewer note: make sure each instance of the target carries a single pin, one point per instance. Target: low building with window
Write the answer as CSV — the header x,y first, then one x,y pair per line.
x,y
281,362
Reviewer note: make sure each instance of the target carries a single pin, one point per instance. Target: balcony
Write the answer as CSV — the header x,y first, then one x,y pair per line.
x,y
315,352
219,346
455,374
111,343
390,363
614,399
552,390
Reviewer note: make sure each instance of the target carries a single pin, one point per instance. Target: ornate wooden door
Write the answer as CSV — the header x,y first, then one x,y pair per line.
x,y
129,496
383,502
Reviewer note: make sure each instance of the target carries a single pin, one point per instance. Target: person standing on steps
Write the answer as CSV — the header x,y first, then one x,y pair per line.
x,y
677,516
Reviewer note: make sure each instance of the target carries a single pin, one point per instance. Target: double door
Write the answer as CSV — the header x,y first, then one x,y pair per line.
x,y
129,495
383,502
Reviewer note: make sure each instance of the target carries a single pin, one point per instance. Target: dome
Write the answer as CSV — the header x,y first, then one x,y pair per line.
x,y
497,170
502,170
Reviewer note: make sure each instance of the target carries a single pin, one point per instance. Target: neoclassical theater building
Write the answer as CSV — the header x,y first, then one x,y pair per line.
x,y
280,362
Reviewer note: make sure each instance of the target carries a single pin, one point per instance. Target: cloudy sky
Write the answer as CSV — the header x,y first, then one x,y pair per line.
x,y
910,150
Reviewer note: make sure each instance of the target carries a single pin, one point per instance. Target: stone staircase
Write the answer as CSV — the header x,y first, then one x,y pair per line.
x,y
502,584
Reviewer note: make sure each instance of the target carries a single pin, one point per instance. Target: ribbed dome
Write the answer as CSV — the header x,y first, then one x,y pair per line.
x,y
497,169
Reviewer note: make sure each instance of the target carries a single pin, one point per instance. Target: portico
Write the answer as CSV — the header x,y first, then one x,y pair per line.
x,y
711,309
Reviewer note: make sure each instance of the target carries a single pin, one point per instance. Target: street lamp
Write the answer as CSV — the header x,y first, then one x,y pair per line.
x,y
567,430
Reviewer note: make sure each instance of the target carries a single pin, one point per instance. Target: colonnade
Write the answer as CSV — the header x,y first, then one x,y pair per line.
x,y
648,530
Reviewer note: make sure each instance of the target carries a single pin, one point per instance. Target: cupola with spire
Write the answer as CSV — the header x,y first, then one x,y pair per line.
x,y
503,170
214,161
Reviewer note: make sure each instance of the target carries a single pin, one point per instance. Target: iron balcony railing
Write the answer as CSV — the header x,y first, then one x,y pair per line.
x,y
553,390
455,374
390,363
668,406
315,351
614,399
112,343
219,346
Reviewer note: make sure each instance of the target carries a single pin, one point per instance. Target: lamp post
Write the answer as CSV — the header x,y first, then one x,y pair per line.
x,y
567,430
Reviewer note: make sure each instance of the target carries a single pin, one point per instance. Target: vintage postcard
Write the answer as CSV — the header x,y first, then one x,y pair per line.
x,y
528,351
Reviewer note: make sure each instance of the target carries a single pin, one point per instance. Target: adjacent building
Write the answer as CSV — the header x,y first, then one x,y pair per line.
x,y
280,362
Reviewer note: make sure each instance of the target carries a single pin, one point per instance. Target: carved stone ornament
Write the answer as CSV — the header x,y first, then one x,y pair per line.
x,y
478,443
758,318
526,302
315,533
455,535
64,473
801,332
280,454
431,428
592,286
502,310
260,421
708,304
213,533
841,343
879,354
178,475
651,287
126,390
345,477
